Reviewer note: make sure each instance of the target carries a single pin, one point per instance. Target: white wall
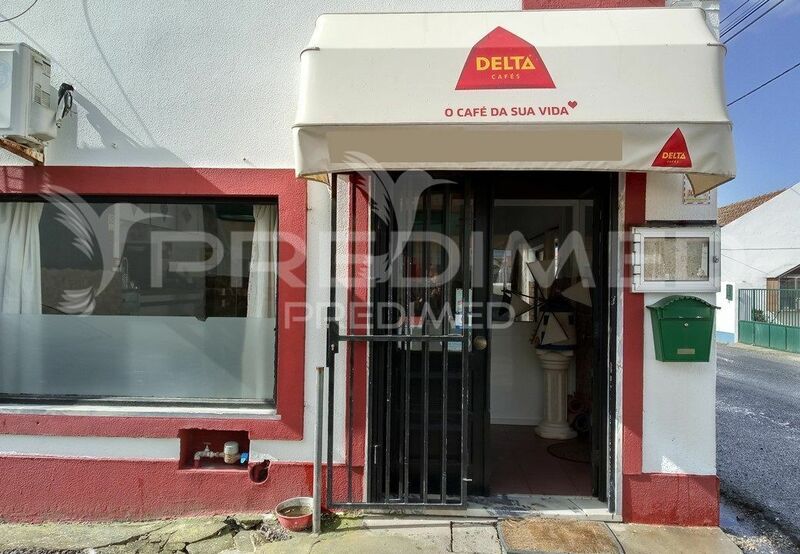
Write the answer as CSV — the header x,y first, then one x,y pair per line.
x,y
764,242
665,201
517,379
176,84
679,425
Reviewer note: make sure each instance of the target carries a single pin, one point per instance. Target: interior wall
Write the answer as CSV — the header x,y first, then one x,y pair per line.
x,y
517,379
516,383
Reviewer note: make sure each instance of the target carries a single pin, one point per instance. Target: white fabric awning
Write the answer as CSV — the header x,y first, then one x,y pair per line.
x,y
599,90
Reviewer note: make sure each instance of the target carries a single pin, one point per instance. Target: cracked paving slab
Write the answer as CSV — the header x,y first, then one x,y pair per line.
x,y
72,536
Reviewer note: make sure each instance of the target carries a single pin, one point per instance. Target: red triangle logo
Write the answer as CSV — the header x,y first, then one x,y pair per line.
x,y
675,153
503,60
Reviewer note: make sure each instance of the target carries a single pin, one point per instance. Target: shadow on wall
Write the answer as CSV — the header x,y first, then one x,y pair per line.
x,y
67,154
88,137
88,131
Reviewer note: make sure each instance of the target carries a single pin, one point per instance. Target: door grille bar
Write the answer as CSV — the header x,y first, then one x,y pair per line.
x,y
401,459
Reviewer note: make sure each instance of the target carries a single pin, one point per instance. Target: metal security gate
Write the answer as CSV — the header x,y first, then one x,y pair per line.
x,y
770,318
418,345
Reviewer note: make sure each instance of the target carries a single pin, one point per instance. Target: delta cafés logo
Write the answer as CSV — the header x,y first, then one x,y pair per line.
x,y
674,153
502,60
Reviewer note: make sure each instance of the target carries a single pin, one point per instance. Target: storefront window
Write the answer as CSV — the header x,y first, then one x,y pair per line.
x,y
145,301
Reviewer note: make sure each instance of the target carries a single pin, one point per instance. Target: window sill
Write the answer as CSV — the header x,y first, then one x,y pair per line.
x,y
211,412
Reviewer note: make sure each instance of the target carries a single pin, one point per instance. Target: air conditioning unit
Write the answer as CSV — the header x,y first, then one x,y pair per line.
x,y
27,100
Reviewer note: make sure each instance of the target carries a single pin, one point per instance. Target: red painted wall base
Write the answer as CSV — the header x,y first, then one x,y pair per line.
x,y
662,498
52,489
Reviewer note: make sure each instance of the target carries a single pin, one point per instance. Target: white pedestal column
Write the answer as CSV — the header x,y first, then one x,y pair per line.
x,y
555,364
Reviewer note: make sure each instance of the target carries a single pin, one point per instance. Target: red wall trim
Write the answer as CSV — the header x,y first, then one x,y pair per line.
x,y
279,184
662,498
83,489
588,4
358,316
633,342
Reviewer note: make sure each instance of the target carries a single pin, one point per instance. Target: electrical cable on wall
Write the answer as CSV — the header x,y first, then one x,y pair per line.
x,y
20,14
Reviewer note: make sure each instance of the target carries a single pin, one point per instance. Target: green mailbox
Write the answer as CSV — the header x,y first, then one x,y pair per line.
x,y
682,328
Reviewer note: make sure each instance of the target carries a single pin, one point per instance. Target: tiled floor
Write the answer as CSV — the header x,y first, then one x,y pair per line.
x,y
520,464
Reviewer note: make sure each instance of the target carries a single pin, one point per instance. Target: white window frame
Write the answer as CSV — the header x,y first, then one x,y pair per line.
x,y
711,233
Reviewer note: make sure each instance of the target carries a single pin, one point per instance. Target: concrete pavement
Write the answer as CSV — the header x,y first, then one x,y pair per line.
x,y
346,535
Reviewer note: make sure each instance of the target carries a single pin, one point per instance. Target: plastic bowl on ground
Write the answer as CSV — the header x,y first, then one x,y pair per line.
x,y
296,513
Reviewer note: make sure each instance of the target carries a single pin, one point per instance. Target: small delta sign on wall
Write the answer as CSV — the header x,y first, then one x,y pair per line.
x,y
502,60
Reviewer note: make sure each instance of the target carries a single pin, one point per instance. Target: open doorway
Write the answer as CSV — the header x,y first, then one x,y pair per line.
x,y
549,247
556,235
456,391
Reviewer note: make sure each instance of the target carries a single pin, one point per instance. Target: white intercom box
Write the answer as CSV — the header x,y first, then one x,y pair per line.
x,y
28,101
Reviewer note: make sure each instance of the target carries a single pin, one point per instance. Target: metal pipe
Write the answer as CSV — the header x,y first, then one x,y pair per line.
x,y
318,430
350,350
389,351
426,352
407,376
331,348
466,260
446,305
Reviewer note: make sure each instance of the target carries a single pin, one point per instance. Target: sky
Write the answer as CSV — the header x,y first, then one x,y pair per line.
x,y
766,124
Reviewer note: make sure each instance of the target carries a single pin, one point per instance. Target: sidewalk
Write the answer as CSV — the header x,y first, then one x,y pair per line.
x,y
352,534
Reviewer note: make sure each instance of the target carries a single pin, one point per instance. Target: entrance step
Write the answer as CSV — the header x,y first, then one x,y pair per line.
x,y
523,505
533,505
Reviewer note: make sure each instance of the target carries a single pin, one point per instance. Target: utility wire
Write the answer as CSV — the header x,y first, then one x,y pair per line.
x,y
743,29
741,19
739,7
759,87
20,14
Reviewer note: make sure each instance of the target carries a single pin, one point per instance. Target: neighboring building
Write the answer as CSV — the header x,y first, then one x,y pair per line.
x,y
732,212
760,257
182,301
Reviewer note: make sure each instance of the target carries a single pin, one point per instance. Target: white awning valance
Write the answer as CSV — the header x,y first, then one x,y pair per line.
x,y
599,90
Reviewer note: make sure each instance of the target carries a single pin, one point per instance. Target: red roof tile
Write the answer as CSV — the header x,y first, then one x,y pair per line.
x,y
732,212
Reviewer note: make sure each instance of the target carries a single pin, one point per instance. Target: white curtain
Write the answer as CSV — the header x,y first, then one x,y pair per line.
x,y
262,291
258,354
20,260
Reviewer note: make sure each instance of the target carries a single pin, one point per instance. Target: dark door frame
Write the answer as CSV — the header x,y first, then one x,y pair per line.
x,y
602,189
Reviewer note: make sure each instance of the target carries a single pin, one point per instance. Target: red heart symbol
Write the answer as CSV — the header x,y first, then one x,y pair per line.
x,y
572,103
